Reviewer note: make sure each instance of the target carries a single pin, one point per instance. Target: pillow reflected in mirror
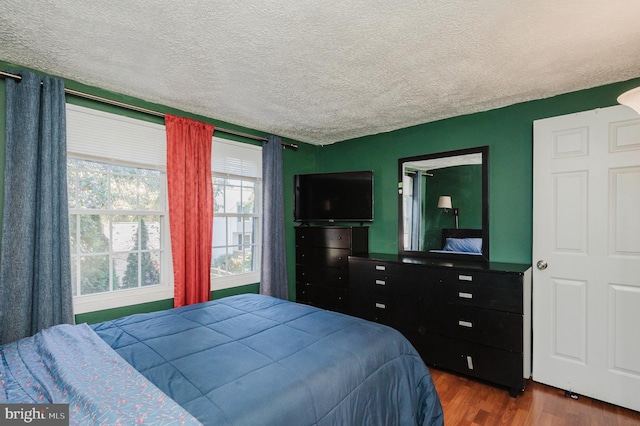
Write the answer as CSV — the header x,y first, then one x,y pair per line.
x,y
463,245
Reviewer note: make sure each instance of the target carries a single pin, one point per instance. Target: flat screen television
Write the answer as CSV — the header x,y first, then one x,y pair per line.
x,y
333,197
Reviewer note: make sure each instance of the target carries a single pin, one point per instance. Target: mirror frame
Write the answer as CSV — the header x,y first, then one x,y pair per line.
x,y
484,257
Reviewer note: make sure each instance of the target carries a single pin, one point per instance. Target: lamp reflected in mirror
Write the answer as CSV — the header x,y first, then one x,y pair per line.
x,y
444,203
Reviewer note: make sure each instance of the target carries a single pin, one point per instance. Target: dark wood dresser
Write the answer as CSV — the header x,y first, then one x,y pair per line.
x,y
468,317
322,263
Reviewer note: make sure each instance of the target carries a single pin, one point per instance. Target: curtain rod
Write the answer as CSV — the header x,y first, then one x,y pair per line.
x,y
146,111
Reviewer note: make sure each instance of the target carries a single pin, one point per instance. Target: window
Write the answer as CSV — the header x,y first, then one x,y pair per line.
x,y
235,226
119,221
237,189
118,215
116,222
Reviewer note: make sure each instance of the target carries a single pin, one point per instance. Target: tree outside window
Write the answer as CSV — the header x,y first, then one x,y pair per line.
x,y
115,226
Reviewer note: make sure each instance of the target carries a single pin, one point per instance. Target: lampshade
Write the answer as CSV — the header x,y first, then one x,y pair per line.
x,y
631,99
444,202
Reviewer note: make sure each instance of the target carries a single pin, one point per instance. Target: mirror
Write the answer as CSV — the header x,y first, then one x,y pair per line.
x,y
443,208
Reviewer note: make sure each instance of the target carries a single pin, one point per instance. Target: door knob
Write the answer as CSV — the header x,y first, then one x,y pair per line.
x,y
542,265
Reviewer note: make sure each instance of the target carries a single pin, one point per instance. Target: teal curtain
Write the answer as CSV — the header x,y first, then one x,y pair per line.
x,y
273,269
35,267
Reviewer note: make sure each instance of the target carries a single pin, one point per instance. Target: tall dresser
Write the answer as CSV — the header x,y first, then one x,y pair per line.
x,y
322,263
472,318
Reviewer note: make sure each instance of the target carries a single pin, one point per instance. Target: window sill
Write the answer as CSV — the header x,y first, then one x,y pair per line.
x,y
118,299
234,281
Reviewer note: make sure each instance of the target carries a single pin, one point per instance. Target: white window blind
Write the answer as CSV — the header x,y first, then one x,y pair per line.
x,y
98,134
236,159
122,139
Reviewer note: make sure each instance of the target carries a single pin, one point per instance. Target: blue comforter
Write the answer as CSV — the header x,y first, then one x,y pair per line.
x,y
257,360
71,365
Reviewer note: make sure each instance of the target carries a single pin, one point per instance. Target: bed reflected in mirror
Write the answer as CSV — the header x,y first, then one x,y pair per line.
x,y
443,204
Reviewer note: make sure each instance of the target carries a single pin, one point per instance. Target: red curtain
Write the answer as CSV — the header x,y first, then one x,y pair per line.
x,y
190,207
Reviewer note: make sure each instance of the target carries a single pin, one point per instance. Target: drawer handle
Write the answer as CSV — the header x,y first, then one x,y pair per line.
x,y
467,324
381,268
381,282
470,362
465,277
463,295
381,306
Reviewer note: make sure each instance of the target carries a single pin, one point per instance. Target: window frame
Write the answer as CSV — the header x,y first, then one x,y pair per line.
x,y
235,172
117,298
85,122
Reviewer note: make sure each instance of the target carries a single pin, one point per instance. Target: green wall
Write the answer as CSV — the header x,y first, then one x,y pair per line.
x,y
507,131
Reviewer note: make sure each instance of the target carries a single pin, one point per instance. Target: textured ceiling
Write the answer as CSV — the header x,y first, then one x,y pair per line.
x,y
327,71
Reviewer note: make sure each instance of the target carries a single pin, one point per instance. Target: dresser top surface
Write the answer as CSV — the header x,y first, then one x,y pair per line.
x,y
517,268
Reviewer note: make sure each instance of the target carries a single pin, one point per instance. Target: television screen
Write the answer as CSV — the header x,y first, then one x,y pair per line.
x,y
334,197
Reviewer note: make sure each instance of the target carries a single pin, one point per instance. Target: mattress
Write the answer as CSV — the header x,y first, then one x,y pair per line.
x,y
241,360
252,359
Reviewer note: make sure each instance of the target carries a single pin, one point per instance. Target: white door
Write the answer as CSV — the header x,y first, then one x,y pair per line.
x,y
586,231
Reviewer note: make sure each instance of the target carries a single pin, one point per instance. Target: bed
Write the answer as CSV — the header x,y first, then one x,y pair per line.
x,y
241,360
460,241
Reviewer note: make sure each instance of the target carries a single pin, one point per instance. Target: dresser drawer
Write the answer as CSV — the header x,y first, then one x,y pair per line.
x,y
380,309
389,309
502,292
490,327
483,278
388,284
485,297
324,297
319,257
377,277
331,277
485,362
372,266
323,237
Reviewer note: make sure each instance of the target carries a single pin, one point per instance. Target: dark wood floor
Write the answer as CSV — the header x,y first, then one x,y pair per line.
x,y
469,402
